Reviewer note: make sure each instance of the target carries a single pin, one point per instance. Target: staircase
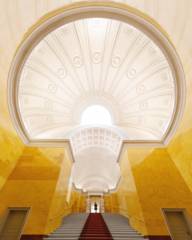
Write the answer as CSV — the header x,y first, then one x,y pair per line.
x,y
70,229
95,227
119,227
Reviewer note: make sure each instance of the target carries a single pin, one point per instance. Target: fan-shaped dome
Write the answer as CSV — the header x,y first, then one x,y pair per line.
x,y
96,54
106,56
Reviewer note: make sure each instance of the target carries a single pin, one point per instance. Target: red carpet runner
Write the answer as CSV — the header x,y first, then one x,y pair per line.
x,y
95,228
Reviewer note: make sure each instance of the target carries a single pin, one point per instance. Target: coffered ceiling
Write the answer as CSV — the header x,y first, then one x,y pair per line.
x,y
96,151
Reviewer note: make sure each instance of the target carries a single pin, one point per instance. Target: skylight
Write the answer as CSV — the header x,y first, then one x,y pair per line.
x,y
96,114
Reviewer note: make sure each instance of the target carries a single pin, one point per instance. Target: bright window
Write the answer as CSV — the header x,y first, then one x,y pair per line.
x,y
96,114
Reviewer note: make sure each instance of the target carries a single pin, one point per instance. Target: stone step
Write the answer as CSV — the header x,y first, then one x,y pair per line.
x,y
119,227
72,226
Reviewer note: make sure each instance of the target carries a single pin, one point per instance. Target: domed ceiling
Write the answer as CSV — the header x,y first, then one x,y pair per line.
x,y
94,60
97,60
96,54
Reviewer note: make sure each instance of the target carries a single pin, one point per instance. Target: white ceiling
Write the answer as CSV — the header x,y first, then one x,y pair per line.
x,y
94,61
96,150
97,61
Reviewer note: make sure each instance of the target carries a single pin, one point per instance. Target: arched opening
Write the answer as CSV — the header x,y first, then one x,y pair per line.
x,y
96,114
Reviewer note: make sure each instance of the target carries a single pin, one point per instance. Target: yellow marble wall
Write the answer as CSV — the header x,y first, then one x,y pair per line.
x,y
107,203
153,179
128,200
180,150
10,150
31,184
41,183
159,184
60,204
111,204
38,178
78,202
